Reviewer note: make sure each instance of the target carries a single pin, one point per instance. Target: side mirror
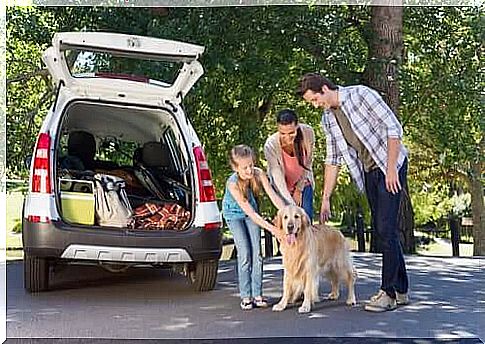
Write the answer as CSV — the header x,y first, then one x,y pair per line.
x,y
28,161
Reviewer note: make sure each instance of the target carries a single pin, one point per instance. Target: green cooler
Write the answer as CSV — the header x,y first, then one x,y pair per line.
x,y
77,201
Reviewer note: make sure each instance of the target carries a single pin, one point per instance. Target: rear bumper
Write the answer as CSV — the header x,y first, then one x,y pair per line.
x,y
60,240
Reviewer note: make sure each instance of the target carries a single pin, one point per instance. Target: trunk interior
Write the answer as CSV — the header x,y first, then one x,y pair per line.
x,y
142,147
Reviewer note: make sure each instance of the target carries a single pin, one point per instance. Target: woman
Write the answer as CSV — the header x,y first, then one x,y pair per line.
x,y
241,214
289,153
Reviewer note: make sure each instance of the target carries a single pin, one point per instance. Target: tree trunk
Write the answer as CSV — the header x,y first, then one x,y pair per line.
x,y
478,211
385,55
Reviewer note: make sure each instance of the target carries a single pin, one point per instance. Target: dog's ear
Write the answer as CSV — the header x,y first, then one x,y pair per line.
x,y
304,218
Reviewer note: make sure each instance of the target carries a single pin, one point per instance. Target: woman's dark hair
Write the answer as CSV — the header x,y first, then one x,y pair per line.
x,y
288,116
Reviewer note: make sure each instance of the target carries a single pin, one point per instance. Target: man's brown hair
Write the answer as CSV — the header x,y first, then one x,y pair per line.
x,y
314,82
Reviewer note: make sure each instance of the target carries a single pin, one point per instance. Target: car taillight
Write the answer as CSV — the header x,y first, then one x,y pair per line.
x,y
41,177
206,187
212,225
38,219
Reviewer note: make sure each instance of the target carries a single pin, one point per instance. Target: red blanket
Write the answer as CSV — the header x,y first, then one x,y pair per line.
x,y
155,216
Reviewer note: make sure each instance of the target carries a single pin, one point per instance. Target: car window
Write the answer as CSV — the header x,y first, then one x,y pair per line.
x,y
107,149
62,148
84,64
117,151
175,149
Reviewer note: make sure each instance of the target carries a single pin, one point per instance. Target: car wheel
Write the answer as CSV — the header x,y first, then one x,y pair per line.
x,y
202,275
36,273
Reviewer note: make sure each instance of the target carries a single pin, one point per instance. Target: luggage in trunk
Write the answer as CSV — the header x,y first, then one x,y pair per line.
x,y
141,152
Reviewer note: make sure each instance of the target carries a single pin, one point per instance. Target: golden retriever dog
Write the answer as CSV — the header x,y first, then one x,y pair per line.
x,y
310,252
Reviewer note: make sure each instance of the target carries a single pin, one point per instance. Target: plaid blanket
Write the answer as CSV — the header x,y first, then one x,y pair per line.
x,y
154,216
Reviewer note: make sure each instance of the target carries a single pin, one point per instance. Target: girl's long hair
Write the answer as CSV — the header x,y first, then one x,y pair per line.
x,y
241,152
288,116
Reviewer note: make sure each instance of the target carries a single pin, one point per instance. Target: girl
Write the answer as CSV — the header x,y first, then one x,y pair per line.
x,y
241,214
289,153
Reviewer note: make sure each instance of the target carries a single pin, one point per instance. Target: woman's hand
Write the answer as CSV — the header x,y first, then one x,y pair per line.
x,y
297,197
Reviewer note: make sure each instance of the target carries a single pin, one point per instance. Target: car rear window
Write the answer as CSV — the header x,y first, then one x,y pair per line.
x,y
89,64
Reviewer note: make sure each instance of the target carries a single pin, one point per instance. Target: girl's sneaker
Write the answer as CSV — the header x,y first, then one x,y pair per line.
x,y
246,304
260,302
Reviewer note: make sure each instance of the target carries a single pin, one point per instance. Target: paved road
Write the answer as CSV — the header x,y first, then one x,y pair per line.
x,y
448,301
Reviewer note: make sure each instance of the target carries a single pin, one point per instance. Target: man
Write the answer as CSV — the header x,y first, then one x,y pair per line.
x,y
362,130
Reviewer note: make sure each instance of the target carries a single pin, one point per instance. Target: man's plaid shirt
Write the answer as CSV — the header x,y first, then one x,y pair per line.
x,y
372,121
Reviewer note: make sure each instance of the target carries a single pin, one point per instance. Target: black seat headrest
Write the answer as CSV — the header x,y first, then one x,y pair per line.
x,y
82,145
155,154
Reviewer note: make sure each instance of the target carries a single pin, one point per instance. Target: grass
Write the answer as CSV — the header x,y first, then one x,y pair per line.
x,y
14,208
442,248
15,255
14,215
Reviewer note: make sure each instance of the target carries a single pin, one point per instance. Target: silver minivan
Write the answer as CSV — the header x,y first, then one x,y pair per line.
x,y
124,121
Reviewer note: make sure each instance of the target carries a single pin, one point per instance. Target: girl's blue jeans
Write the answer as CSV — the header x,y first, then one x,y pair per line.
x,y
247,238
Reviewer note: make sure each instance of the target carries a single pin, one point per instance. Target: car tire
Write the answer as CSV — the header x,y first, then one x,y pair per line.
x,y
202,275
36,274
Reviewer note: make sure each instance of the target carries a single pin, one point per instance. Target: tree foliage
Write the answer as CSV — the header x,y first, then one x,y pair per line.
x,y
443,100
254,57
442,84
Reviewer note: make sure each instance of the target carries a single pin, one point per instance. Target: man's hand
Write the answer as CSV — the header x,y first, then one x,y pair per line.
x,y
297,197
392,180
325,210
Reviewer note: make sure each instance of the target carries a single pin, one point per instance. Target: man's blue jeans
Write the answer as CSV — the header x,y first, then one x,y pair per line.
x,y
247,238
307,201
385,211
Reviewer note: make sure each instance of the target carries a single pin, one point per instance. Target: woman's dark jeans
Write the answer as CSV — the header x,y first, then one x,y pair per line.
x,y
307,201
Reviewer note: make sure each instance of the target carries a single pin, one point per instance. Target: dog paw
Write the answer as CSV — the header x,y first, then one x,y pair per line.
x,y
304,309
278,308
333,296
351,303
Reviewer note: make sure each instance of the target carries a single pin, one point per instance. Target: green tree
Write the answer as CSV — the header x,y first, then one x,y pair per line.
x,y
384,37
253,60
442,81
